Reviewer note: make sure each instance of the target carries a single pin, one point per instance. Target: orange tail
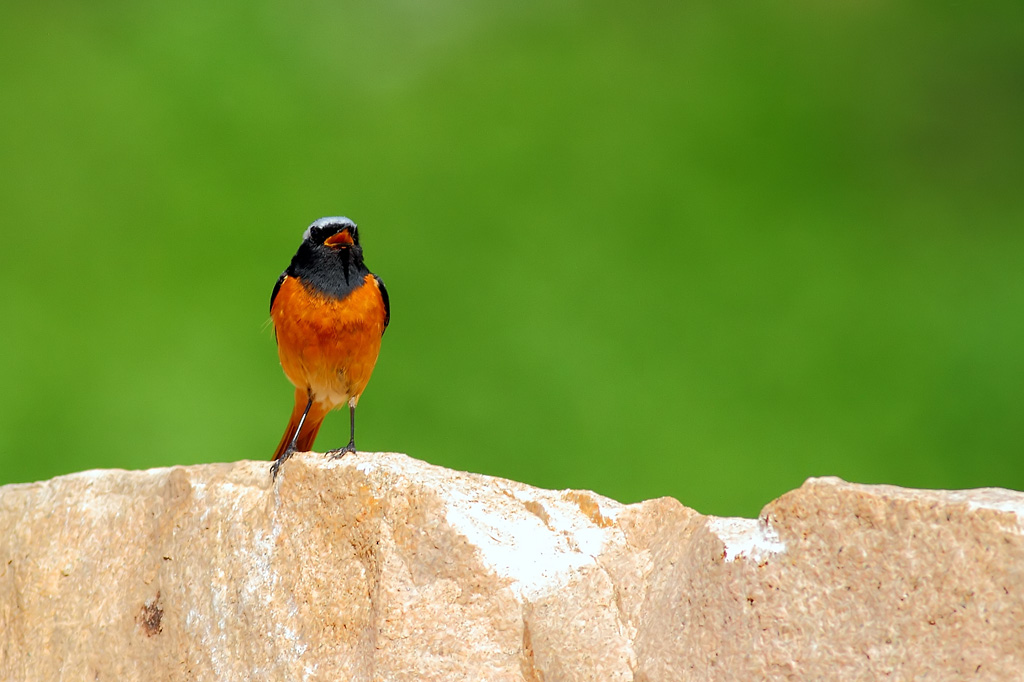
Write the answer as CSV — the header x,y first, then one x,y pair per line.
x,y
310,427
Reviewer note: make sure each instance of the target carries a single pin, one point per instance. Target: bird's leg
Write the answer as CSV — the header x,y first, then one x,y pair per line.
x,y
351,447
291,446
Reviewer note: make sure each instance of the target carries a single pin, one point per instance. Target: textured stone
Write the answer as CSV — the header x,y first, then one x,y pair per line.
x,y
382,567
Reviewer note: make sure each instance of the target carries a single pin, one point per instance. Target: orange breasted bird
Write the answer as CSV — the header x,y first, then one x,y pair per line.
x,y
329,313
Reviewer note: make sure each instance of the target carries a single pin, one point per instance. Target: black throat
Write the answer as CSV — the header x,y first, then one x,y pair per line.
x,y
333,272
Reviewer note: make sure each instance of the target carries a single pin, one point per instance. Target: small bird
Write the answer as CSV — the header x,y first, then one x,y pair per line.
x,y
329,313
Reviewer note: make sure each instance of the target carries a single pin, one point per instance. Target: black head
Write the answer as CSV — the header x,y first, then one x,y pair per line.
x,y
330,258
337,234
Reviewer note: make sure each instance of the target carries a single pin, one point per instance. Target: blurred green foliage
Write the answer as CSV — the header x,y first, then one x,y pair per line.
x,y
696,249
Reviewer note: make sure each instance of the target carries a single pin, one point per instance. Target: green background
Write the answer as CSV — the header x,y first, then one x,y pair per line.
x,y
698,249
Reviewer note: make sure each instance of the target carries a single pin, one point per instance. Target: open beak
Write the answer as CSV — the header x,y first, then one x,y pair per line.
x,y
339,239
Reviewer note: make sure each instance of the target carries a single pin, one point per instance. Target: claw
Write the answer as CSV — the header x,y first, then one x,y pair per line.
x,y
341,452
276,466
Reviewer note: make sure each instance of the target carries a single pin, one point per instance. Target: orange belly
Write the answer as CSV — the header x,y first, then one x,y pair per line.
x,y
328,346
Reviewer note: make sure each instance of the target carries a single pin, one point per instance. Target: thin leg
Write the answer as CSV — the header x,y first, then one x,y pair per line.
x,y
291,446
351,447
352,427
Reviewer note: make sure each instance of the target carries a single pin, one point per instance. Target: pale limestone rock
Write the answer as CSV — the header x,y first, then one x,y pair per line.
x,y
382,567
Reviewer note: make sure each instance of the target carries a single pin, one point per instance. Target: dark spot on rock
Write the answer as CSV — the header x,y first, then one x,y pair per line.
x,y
150,617
538,510
589,506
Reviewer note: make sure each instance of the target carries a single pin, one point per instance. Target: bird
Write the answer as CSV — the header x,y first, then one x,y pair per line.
x,y
329,314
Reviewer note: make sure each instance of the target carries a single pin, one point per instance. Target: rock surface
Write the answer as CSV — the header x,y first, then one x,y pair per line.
x,y
382,567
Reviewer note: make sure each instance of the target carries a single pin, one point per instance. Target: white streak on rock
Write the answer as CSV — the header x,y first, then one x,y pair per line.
x,y
748,538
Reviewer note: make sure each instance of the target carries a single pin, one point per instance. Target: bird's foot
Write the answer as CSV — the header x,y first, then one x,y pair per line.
x,y
276,466
338,454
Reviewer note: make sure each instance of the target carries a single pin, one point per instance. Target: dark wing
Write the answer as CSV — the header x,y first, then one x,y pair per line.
x,y
277,287
387,301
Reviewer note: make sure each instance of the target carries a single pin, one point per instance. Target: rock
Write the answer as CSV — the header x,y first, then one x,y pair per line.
x,y
382,567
